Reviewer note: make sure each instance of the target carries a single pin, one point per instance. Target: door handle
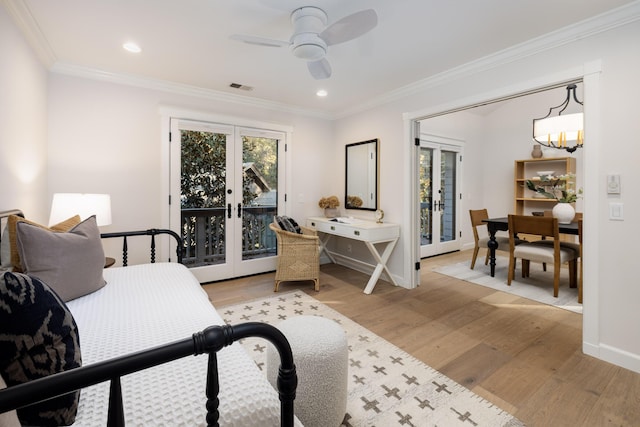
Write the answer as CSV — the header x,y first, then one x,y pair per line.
x,y
239,210
229,210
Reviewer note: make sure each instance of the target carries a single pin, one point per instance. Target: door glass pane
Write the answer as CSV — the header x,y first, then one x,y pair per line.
x,y
426,195
259,196
203,177
448,189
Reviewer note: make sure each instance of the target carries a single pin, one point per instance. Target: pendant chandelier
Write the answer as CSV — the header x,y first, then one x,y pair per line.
x,y
564,132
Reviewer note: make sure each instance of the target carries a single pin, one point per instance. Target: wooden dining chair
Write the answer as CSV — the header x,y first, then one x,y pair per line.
x,y
549,253
481,237
577,247
571,245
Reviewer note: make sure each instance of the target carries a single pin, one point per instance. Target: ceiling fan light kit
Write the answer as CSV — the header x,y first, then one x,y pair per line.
x,y
308,46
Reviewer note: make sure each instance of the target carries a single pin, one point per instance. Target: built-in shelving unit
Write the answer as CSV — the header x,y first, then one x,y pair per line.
x,y
527,201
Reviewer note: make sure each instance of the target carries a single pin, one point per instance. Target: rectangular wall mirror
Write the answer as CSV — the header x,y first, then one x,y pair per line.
x,y
361,182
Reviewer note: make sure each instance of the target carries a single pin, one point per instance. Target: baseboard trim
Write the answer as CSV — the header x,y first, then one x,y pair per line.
x,y
620,357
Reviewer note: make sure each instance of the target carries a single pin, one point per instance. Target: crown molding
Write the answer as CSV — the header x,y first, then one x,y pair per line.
x,y
183,89
587,28
21,15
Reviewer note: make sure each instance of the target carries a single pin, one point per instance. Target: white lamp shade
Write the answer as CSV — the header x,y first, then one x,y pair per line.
x,y
66,205
549,128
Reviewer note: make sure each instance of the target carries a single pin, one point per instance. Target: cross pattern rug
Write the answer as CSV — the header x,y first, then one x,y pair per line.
x,y
387,386
538,286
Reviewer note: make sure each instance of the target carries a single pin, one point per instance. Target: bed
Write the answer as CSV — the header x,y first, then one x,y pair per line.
x,y
162,307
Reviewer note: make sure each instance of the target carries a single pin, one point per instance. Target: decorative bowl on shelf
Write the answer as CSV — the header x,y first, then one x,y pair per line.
x,y
545,173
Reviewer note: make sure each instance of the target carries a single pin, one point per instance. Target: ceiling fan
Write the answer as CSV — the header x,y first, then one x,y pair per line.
x,y
312,37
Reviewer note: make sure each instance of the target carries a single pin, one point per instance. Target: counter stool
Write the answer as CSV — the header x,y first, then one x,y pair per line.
x,y
320,353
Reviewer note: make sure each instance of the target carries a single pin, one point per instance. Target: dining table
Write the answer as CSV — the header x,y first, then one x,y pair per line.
x,y
502,224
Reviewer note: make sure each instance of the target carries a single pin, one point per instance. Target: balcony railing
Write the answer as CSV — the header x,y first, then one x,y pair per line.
x,y
203,234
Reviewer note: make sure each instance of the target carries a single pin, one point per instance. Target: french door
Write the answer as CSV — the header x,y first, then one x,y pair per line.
x,y
227,181
439,192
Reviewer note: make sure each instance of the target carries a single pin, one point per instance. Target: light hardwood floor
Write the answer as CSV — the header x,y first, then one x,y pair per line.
x,y
523,356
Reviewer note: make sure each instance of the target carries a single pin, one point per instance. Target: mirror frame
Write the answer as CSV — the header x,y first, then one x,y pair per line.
x,y
372,192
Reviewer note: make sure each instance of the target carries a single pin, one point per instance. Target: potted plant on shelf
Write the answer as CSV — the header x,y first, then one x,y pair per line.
x,y
330,205
555,187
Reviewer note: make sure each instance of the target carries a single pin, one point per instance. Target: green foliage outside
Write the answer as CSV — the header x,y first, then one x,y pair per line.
x,y
203,176
203,172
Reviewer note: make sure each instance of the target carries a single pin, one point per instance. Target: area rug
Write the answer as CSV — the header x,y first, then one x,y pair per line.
x,y
538,286
387,386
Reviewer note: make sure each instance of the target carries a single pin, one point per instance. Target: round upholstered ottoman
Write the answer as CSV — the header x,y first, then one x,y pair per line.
x,y
320,353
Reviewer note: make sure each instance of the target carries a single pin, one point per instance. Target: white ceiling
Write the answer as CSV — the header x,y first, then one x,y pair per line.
x,y
187,41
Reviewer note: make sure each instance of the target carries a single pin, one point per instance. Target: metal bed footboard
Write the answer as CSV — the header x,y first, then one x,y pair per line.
x,y
210,341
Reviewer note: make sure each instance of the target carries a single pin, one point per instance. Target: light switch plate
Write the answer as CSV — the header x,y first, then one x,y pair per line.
x,y
616,212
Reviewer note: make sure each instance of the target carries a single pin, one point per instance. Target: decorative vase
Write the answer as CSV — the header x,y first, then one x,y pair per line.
x,y
536,153
564,212
331,212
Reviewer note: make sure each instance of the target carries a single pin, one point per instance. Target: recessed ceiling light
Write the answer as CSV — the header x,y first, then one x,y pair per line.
x,y
322,93
132,47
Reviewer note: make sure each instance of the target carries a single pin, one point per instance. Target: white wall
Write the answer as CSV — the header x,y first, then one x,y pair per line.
x,y
611,291
23,124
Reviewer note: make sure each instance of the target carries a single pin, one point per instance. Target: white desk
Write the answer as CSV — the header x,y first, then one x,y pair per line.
x,y
369,232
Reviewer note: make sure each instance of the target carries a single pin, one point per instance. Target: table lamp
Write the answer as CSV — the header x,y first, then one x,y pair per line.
x,y
66,205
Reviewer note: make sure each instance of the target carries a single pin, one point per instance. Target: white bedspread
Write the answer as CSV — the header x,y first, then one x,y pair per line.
x,y
147,305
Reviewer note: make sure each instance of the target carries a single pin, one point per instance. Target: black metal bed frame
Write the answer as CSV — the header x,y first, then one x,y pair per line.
x,y
153,232
209,340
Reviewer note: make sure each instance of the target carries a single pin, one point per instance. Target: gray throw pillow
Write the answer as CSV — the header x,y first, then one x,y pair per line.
x,y
70,263
5,250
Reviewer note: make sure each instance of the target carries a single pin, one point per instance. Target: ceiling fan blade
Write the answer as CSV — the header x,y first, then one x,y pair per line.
x,y
260,41
319,69
350,27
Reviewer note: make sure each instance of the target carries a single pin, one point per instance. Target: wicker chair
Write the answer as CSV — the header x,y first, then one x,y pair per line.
x,y
298,256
